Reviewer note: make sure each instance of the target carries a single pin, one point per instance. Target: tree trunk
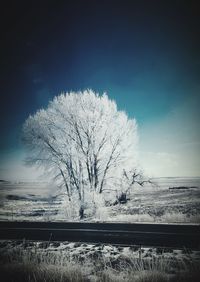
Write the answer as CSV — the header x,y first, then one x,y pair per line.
x,y
81,212
66,185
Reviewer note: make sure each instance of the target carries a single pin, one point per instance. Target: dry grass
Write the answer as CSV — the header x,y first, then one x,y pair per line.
x,y
150,276
169,217
19,272
30,264
179,218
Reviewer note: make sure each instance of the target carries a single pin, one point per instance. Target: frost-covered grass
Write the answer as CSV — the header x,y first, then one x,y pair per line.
x,y
43,202
165,218
19,272
161,204
64,262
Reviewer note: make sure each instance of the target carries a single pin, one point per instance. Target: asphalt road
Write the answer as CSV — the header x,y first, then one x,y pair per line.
x,y
163,235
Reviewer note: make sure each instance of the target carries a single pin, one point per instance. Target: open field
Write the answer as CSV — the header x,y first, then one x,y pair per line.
x,y
160,203
64,262
170,200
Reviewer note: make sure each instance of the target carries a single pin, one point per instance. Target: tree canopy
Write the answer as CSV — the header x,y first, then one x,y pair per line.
x,y
84,142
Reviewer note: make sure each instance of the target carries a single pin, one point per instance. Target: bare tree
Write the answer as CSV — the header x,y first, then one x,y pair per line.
x,y
83,141
128,180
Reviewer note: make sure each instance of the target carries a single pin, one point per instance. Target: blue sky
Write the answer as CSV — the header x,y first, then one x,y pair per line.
x,y
144,54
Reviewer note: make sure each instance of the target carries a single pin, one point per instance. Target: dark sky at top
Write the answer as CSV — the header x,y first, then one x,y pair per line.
x,y
145,54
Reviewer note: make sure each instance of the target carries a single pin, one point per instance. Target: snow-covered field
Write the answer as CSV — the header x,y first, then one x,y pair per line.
x,y
54,261
75,261
157,203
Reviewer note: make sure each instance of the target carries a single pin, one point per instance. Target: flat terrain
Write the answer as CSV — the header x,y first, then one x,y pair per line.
x,y
169,200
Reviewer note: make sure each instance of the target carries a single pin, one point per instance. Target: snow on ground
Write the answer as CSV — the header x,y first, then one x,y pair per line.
x,y
113,255
158,203
85,250
39,201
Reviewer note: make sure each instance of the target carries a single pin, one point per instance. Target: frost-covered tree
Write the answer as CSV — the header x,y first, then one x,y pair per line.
x,y
84,142
128,180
